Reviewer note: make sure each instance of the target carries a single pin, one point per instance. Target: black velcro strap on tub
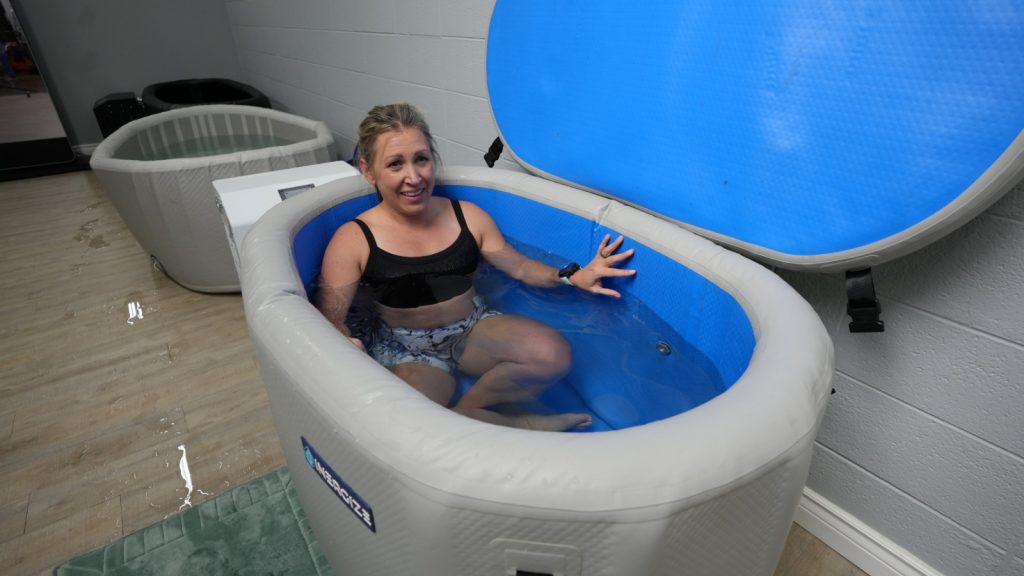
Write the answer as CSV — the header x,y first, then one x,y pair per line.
x,y
861,303
494,152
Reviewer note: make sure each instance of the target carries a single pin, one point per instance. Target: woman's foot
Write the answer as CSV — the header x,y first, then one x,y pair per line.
x,y
518,418
551,423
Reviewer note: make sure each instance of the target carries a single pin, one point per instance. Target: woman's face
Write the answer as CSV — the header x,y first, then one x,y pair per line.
x,y
402,170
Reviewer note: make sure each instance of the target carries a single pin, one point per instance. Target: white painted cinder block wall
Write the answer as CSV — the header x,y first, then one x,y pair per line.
x,y
924,441
334,59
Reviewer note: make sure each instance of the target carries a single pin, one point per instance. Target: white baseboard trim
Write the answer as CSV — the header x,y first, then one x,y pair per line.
x,y
85,149
857,542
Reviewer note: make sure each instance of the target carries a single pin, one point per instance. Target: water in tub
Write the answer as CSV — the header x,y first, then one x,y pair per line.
x,y
629,366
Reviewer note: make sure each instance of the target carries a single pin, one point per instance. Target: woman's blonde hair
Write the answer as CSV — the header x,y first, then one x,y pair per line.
x,y
387,118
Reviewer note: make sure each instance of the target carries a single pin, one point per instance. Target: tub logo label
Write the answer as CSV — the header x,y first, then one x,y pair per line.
x,y
353,501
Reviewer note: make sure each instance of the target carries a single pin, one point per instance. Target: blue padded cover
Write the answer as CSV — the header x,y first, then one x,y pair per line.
x,y
802,127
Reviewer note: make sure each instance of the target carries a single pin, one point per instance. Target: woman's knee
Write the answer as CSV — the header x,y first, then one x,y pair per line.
x,y
537,350
549,352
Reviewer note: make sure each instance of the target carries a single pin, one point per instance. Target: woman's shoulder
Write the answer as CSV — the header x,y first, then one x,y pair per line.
x,y
368,214
368,217
475,214
348,235
346,255
470,210
479,222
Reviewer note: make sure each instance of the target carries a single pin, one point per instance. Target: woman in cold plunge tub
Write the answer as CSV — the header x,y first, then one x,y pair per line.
x,y
416,254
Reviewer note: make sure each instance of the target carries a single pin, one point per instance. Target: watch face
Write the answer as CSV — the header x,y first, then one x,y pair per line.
x,y
568,270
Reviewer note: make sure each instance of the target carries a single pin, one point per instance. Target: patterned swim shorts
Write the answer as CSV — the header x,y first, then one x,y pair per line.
x,y
438,347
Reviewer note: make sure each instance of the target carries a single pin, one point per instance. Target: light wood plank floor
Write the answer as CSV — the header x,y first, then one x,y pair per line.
x,y
94,404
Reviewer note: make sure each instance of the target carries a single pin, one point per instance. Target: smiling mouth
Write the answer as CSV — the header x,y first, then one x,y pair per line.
x,y
413,194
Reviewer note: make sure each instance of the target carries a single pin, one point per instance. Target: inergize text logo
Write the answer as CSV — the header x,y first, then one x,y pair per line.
x,y
355,503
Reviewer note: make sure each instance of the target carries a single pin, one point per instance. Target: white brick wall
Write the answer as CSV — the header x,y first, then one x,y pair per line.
x,y
339,58
924,440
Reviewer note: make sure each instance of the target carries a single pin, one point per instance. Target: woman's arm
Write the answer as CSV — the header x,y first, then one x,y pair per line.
x,y
339,276
504,257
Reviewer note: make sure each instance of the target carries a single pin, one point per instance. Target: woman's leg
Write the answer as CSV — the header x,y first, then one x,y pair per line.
x,y
516,358
438,385
430,381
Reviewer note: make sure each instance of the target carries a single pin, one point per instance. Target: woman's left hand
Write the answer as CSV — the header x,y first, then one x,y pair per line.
x,y
603,265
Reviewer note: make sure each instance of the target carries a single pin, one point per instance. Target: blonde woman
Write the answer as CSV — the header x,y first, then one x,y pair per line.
x,y
416,253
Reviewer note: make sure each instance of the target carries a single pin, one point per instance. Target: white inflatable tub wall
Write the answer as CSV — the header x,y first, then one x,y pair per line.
x,y
169,204
415,489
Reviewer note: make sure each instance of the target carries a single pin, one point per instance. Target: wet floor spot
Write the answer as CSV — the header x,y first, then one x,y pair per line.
x,y
85,235
85,230
170,354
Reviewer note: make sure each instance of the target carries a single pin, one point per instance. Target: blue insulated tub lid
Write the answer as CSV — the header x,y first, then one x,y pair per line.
x,y
814,135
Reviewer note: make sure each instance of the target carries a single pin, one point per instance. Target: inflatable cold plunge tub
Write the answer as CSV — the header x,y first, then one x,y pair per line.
x,y
414,488
816,139
159,173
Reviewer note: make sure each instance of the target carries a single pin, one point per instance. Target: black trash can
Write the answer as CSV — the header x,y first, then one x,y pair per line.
x,y
115,110
181,93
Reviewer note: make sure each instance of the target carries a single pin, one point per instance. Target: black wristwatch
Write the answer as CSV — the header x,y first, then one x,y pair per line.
x,y
567,271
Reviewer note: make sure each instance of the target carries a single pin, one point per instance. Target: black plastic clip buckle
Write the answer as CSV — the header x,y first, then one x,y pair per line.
x,y
494,152
861,303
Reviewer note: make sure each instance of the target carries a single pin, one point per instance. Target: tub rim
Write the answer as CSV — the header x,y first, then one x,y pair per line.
x,y
103,156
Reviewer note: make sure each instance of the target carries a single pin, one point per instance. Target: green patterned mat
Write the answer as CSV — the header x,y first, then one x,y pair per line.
x,y
256,529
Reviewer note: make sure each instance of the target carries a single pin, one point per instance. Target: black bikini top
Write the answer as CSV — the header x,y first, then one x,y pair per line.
x,y
411,281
